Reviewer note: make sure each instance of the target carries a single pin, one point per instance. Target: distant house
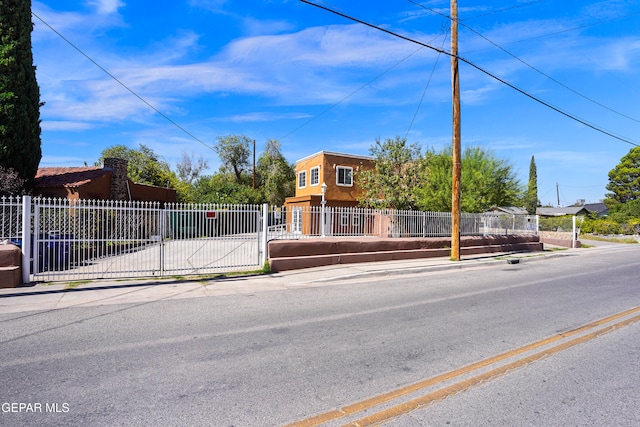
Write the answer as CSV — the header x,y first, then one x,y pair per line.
x,y
107,183
571,210
598,208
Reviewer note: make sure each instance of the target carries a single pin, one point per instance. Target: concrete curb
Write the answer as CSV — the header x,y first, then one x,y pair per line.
x,y
489,260
298,277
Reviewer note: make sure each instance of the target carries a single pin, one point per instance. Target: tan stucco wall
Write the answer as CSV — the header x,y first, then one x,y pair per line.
x,y
328,163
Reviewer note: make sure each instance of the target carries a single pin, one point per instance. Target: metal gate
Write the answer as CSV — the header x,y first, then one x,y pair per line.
x,y
96,239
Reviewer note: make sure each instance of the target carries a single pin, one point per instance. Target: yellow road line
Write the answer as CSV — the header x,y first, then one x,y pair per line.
x,y
482,378
412,388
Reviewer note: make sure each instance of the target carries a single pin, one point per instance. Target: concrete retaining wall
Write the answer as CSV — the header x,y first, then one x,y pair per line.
x,y
295,254
558,238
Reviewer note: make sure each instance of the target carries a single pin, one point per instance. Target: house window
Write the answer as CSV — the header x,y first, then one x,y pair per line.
x,y
314,178
344,222
302,179
344,176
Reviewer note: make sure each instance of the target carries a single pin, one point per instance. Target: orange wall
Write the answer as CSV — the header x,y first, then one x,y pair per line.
x,y
142,192
100,189
328,163
97,189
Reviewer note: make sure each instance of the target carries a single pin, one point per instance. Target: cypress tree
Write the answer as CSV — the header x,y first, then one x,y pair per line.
x,y
20,145
531,200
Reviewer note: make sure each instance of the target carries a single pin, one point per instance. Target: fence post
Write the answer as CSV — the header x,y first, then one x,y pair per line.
x,y
163,234
573,234
26,239
265,232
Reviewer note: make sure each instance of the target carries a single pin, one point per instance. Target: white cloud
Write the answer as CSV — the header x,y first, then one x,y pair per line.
x,y
317,65
211,5
264,117
56,125
106,7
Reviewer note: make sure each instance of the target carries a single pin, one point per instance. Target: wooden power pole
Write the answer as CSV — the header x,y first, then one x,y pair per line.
x,y
457,167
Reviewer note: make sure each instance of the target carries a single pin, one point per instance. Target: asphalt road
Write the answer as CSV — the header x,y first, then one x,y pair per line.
x,y
275,358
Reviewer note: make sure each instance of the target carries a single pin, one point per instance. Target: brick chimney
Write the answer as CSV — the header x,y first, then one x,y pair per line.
x,y
119,180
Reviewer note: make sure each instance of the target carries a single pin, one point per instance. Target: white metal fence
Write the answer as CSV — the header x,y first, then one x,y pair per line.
x,y
11,220
89,239
304,222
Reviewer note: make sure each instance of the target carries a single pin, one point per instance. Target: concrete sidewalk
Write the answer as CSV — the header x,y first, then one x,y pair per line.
x,y
103,292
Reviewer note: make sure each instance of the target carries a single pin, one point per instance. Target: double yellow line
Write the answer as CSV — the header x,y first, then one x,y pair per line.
x,y
431,397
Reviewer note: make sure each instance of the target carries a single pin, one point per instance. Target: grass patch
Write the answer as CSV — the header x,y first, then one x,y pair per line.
x,y
73,285
266,269
555,249
628,240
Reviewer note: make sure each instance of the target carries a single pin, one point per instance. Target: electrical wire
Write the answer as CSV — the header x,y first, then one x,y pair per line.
x,y
147,103
529,65
580,27
424,92
482,70
353,92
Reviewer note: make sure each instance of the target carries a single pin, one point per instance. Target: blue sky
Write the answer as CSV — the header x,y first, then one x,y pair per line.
x,y
315,81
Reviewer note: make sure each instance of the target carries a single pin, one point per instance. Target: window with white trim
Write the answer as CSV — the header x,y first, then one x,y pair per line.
x,y
344,222
314,177
344,176
302,179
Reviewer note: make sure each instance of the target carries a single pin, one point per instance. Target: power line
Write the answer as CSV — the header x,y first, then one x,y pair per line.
x,y
424,92
354,92
580,27
122,84
529,65
482,70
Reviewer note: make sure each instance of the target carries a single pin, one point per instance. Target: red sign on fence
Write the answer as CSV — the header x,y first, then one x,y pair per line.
x,y
211,215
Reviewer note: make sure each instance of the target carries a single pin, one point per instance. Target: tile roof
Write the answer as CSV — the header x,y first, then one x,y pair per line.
x,y
67,176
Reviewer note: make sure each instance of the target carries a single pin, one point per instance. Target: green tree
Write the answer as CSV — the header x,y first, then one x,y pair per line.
x,y
144,165
223,189
234,152
434,192
531,198
277,176
624,180
393,181
486,181
20,145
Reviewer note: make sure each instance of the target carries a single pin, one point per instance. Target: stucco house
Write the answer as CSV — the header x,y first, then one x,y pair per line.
x,y
107,183
337,171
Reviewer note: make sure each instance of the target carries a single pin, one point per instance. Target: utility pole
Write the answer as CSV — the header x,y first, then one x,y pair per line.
x,y
455,181
253,174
